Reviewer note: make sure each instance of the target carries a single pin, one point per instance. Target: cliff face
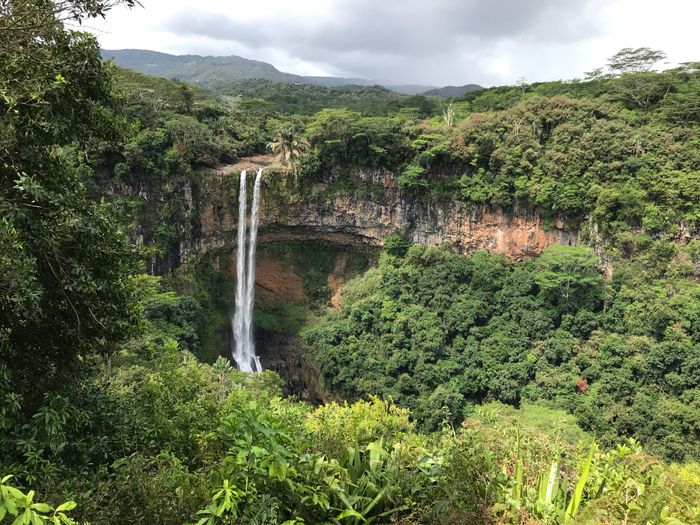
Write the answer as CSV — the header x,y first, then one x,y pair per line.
x,y
351,218
204,218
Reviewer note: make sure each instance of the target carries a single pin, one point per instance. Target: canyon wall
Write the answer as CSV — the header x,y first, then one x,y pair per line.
x,y
351,217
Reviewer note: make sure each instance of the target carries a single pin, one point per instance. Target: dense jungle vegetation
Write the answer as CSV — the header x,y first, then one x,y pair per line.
x,y
479,390
442,333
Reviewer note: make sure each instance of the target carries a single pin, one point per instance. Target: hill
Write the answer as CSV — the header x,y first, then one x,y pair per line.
x,y
404,89
213,70
307,99
197,69
338,81
452,91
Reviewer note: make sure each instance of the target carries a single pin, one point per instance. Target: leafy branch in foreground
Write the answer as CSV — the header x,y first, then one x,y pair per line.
x,y
22,507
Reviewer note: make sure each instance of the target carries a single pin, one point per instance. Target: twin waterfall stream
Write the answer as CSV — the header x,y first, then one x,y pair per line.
x,y
242,321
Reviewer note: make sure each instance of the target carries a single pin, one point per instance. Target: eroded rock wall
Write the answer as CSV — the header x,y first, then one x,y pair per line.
x,y
355,217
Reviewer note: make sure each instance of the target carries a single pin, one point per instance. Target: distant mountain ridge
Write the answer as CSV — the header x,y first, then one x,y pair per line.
x,y
452,91
196,68
212,70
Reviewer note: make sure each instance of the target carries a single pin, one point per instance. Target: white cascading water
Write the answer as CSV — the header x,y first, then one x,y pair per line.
x,y
237,322
250,281
242,322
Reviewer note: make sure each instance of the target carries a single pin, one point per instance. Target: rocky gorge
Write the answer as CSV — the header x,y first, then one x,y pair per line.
x,y
355,217
329,229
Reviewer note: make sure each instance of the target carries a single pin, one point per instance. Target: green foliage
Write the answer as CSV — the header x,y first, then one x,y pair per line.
x,y
397,244
65,263
164,438
362,495
23,510
345,138
634,60
569,277
439,333
557,482
334,425
413,178
168,316
287,145
565,150
467,474
150,99
307,99
584,472
125,420
680,104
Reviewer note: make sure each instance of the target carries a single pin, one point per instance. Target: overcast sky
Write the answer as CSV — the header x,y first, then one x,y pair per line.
x,y
435,42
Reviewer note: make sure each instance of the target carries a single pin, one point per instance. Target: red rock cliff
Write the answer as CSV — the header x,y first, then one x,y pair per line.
x,y
350,218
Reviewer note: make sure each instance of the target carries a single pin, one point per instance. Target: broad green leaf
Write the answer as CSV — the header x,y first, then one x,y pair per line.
x,y
376,451
551,482
351,513
258,451
12,505
15,493
66,520
68,505
572,508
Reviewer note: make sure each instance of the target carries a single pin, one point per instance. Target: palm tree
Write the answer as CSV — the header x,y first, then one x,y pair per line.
x,y
287,147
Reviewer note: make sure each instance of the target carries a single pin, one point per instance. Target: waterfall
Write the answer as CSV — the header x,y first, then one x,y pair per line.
x,y
242,322
237,324
250,282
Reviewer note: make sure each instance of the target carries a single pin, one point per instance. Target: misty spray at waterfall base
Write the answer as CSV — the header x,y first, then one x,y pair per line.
x,y
242,322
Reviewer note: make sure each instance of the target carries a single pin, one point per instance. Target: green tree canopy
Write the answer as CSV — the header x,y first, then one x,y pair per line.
x,y
64,279
629,60
569,277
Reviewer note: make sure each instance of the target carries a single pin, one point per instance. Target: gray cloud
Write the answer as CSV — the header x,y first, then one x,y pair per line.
x,y
432,42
